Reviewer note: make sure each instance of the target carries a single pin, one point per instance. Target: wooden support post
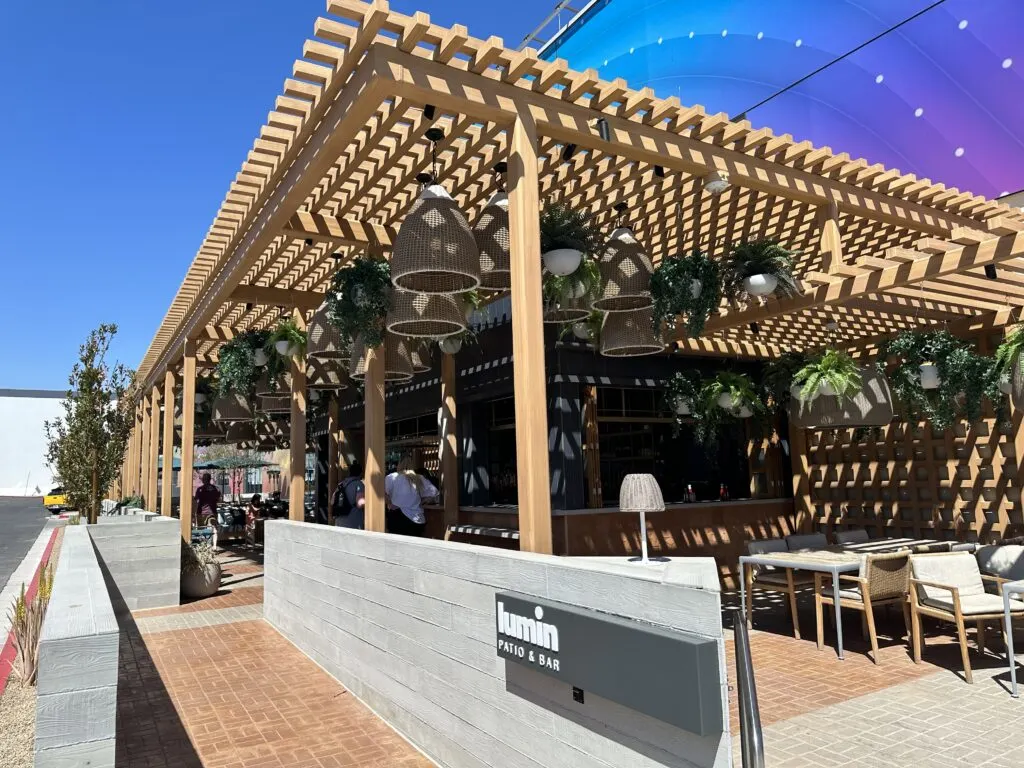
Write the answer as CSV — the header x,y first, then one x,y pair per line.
x,y
154,448
333,412
166,480
188,413
830,241
592,448
801,478
297,462
374,466
144,448
133,453
529,377
449,443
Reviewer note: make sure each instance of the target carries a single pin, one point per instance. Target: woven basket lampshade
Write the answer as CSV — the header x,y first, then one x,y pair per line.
x,y
625,274
425,315
273,430
231,408
211,431
434,251
275,404
630,334
568,311
641,493
323,342
491,234
326,374
420,358
397,361
282,383
241,432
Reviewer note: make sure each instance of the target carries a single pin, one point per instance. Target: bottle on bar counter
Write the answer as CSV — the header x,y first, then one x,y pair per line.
x,y
690,495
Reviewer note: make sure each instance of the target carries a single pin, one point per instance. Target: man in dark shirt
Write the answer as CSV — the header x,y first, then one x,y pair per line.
x,y
207,497
348,499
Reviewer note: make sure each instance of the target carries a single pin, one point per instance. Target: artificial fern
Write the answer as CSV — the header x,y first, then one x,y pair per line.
x,y
565,227
759,257
833,368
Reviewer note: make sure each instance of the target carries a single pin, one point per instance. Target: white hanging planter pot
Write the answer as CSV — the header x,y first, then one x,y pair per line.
x,y
695,288
726,401
314,395
283,348
760,285
562,261
259,357
826,389
683,407
581,331
930,376
744,412
200,398
796,391
450,346
1005,384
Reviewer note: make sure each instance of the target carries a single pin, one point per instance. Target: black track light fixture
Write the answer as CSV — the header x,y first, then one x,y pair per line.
x,y
567,152
755,329
336,256
309,241
429,111
248,306
990,272
659,172
603,130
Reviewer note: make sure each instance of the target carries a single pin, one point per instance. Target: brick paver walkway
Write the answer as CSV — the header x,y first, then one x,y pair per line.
x,y
210,685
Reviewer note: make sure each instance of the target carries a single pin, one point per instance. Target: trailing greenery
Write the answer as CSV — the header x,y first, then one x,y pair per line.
x,y
965,377
86,445
360,298
237,371
758,257
672,290
132,501
288,330
832,368
584,282
709,416
594,321
565,227
777,380
1009,352
684,386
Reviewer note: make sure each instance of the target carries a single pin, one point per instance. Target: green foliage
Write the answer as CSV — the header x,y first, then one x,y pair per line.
x,y
709,417
1009,352
237,371
586,280
132,501
26,620
360,298
565,227
88,442
777,379
594,321
683,387
758,257
833,368
672,291
964,376
288,330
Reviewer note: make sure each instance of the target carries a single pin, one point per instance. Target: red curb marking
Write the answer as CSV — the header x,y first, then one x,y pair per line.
x,y
8,654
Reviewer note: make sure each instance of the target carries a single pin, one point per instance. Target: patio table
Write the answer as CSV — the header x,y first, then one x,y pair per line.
x,y
1011,588
822,561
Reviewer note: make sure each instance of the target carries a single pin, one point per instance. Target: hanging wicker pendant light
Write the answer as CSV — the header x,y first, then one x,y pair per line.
x,y
630,334
567,311
397,361
325,374
420,359
232,407
491,235
276,404
323,342
434,251
241,432
625,273
423,315
211,431
282,383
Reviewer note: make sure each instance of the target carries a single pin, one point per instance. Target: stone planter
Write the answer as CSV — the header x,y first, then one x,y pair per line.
x,y
202,584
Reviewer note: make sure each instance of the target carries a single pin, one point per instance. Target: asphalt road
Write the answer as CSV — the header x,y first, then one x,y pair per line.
x,y
21,520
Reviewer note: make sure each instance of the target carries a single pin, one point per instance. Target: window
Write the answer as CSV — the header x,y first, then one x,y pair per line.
x,y
253,480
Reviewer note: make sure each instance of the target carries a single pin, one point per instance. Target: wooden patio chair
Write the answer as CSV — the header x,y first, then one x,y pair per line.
x,y
882,580
950,586
783,580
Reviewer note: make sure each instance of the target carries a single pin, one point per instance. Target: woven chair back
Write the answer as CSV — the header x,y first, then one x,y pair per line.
x,y
888,574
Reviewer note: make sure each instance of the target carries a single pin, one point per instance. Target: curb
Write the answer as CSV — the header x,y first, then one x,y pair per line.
x,y
8,654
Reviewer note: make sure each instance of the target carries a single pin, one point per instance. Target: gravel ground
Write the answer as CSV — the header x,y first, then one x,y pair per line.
x,y
17,726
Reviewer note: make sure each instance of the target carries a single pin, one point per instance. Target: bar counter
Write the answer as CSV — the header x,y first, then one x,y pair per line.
x,y
718,529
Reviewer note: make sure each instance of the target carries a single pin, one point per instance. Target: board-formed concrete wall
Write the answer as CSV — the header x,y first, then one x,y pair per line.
x,y
142,556
76,709
408,626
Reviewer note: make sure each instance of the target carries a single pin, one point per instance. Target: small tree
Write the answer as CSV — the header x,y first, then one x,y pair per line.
x,y
85,447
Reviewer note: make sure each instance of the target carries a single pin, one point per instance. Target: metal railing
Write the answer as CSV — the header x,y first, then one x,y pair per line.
x,y
751,735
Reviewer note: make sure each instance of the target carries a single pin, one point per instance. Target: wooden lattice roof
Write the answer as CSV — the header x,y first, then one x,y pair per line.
x,y
332,173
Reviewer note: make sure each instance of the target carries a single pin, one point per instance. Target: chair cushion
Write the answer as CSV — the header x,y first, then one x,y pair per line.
x,y
956,569
854,536
778,578
806,541
1005,561
766,546
846,591
972,605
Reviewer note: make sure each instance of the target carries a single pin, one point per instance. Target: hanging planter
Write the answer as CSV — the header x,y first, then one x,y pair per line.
x,y
681,394
759,268
237,370
397,362
359,300
260,357
269,386
566,236
1007,364
832,374
867,405
630,334
626,271
288,339
582,331
325,375
686,285
450,346
928,373
231,407
726,397
421,315
323,339
491,235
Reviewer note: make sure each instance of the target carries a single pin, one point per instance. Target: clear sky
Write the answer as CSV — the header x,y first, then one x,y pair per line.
x,y
122,125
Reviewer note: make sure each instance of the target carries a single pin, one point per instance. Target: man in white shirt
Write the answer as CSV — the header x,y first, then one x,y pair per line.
x,y
405,491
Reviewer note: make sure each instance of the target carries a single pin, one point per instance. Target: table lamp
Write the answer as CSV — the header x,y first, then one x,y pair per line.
x,y
641,493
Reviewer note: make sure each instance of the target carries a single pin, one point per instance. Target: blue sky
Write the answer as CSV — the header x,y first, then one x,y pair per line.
x,y
124,122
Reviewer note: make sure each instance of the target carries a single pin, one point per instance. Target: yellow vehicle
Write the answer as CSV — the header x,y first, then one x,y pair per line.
x,y
55,500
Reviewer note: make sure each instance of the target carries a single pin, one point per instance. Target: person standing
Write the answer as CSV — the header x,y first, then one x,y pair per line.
x,y
405,492
348,499
206,499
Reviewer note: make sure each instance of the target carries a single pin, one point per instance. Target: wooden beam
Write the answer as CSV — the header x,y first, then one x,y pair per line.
x,y
323,228
166,480
297,462
529,378
188,413
449,442
154,447
374,466
274,297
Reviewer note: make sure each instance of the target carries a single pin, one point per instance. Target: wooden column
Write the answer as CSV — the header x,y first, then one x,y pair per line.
x,y
144,447
801,478
133,454
154,448
592,448
188,413
333,410
529,376
374,466
297,462
449,442
166,481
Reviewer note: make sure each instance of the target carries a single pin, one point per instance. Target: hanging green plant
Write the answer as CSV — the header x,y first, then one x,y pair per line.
x,y
686,285
727,398
359,299
834,374
681,395
564,227
588,330
237,371
777,380
585,281
935,376
287,339
1008,357
759,268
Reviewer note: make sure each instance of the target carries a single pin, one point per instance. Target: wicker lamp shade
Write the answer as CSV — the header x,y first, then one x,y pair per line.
x,y
276,404
323,342
625,274
425,315
640,493
568,311
491,234
397,361
209,431
272,430
282,383
434,251
419,356
241,432
630,334
326,374
232,407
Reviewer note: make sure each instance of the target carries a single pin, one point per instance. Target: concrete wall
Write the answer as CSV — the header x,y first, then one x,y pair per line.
x,y
408,626
142,556
76,707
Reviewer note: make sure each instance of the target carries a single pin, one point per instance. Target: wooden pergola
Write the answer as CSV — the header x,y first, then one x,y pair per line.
x,y
333,172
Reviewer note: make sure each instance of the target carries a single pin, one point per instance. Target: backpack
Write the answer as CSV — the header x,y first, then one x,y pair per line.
x,y
340,503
